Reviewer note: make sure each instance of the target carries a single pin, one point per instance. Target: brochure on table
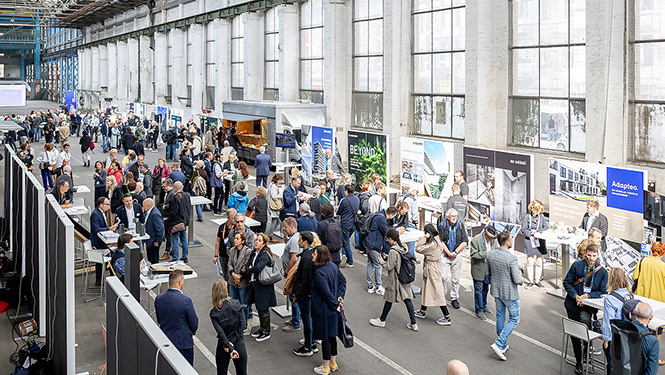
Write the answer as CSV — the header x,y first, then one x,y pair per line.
x,y
315,141
428,166
619,191
368,154
500,184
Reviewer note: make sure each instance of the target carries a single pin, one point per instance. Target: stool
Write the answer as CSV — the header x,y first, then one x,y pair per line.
x,y
578,330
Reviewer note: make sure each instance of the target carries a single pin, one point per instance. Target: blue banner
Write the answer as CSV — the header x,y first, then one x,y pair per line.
x,y
625,189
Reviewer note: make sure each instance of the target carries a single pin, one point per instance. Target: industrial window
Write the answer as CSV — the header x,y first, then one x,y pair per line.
x,y
438,67
548,66
237,57
368,64
271,91
311,51
649,80
210,76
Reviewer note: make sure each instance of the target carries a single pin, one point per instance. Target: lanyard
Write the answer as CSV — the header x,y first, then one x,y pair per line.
x,y
593,273
537,225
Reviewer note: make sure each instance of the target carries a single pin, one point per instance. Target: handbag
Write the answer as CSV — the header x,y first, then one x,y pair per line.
x,y
270,274
639,273
275,204
344,332
178,228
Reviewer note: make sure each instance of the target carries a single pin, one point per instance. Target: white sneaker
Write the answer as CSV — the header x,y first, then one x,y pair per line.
x,y
380,290
498,352
413,327
377,322
370,290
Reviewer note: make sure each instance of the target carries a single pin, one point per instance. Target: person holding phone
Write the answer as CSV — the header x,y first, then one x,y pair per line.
x,y
230,322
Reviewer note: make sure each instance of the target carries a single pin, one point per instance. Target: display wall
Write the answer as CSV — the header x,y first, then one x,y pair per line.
x,y
368,154
428,166
315,141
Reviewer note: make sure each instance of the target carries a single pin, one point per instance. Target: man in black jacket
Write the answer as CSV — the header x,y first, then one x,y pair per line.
x,y
179,212
127,140
302,290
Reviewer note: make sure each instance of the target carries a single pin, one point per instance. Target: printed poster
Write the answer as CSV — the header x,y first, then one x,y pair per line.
x,y
368,153
317,142
427,166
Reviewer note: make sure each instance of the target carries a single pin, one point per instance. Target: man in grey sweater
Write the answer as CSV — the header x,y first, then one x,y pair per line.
x,y
505,276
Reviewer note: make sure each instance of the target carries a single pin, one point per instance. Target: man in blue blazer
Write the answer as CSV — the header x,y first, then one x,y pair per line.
x,y
262,163
98,224
292,197
129,211
154,227
176,316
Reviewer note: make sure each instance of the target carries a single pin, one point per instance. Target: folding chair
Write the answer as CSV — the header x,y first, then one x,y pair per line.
x,y
579,330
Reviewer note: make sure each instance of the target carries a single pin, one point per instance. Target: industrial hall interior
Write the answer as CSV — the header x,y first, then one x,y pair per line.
x,y
251,186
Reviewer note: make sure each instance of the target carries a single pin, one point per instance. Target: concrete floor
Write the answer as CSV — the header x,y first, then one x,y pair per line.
x,y
534,346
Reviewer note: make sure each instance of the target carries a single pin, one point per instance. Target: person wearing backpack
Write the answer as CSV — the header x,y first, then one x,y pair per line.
x,y
613,307
331,234
650,346
585,279
397,288
363,196
347,211
375,244
306,220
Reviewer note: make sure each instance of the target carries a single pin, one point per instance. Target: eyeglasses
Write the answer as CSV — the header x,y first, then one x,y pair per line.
x,y
240,221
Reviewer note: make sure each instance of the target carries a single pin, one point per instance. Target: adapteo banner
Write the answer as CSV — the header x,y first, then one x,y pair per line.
x,y
317,143
368,154
619,191
427,166
500,184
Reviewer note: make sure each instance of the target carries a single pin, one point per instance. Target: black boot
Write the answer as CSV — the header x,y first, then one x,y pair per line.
x,y
578,368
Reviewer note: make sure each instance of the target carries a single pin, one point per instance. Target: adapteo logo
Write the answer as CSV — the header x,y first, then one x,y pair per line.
x,y
623,186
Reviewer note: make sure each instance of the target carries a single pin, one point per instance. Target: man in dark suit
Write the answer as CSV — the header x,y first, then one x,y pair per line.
x,y
98,224
176,316
179,212
129,211
292,197
594,219
262,163
154,227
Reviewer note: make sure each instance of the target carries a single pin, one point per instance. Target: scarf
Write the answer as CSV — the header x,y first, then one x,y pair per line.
x,y
452,238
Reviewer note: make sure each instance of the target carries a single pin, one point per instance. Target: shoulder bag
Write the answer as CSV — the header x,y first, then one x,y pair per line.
x,y
275,204
639,273
270,274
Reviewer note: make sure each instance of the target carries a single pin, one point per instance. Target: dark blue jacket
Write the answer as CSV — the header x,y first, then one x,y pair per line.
x,y
121,213
97,224
176,176
576,272
177,318
290,200
104,127
377,231
263,296
307,224
346,210
262,163
154,226
328,284
650,350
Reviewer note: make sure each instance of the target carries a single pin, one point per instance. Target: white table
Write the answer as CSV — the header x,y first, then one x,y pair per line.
x,y
411,235
195,200
81,189
657,306
554,239
111,238
277,248
286,167
248,221
152,281
229,177
76,210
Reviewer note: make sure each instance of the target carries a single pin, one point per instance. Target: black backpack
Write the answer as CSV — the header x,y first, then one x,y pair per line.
x,y
629,305
626,348
334,235
407,269
365,223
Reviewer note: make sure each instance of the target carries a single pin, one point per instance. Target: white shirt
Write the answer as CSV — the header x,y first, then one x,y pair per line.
x,y
590,221
63,155
130,217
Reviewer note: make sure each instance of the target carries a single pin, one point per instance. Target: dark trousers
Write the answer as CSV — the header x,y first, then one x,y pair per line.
x,y
218,202
261,228
264,320
188,354
167,237
153,254
583,315
100,191
262,181
226,193
329,347
444,309
388,305
480,289
223,359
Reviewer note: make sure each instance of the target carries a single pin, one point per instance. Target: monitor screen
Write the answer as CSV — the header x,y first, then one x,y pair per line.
x,y
654,205
285,140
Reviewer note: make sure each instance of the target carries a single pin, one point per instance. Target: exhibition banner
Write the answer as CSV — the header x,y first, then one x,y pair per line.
x,y
316,140
619,191
500,184
427,166
368,153
12,96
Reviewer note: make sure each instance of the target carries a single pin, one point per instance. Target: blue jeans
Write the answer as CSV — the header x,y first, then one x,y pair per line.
x,y
346,245
305,305
199,211
373,269
182,238
170,152
262,181
295,312
242,295
106,144
47,179
480,289
503,329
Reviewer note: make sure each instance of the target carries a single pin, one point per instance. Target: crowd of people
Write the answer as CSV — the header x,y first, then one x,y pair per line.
x,y
317,227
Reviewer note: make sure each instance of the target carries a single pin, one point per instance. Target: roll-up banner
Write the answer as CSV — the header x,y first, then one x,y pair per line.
x,y
316,140
368,153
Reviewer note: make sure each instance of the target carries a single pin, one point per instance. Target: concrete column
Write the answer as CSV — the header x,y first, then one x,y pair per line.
x,y
198,61
337,67
87,74
606,105
147,94
81,72
179,62
222,30
122,76
133,67
254,60
96,65
103,71
289,53
487,64
160,63
112,74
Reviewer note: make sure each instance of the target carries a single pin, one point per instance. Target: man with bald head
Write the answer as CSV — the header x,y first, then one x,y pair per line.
x,y
457,367
154,227
650,347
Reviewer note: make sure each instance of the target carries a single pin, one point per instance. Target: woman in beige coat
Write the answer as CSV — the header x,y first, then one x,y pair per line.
x,y
433,293
395,291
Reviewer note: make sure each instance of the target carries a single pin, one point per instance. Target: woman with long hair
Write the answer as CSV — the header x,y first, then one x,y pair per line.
x,y
263,296
229,322
395,290
99,176
238,281
432,291
160,173
535,249
328,290
274,196
241,175
617,288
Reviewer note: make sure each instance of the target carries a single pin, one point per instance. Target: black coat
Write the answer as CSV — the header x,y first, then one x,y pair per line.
x,y
260,207
263,296
128,140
